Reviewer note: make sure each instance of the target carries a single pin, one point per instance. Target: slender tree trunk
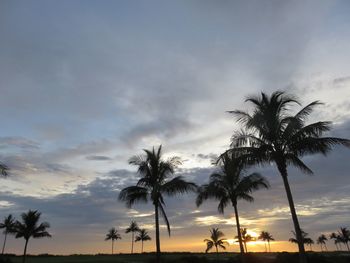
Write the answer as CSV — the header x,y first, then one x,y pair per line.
x,y
157,234
217,251
321,248
268,241
325,246
265,247
112,246
132,242
283,170
347,245
336,246
238,230
245,245
141,246
25,251
3,247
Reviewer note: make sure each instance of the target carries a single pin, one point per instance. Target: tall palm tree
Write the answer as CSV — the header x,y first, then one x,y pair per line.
x,y
154,184
273,135
321,240
344,235
30,227
112,235
305,239
229,185
267,237
142,236
132,228
9,228
216,240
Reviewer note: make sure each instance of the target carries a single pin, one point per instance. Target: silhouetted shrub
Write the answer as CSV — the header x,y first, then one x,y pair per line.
x,y
294,257
5,260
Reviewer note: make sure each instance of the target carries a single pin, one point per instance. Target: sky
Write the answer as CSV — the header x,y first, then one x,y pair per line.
x,y
85,85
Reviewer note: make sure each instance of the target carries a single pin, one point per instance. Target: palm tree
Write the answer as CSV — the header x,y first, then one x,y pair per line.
x,y
273,135
336,239
216,240
267,237
344,235
8,225
305,239
30,227
230,185
132,228
3,169
142,236
113,235
245,238
154,184
321,240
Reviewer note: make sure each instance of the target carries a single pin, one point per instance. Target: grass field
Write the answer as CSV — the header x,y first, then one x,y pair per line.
x,y
314,257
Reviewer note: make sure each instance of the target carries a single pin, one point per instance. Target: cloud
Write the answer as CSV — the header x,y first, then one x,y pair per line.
x,y
98,158
20,142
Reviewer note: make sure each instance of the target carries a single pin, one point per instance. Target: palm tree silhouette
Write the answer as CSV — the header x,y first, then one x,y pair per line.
x,y
230,185
267,237
245,238
305,239
154,184
336,239
132,228
321,240
9,228
344,235
3,169
216,240
272,135
30,227
112,235
142,236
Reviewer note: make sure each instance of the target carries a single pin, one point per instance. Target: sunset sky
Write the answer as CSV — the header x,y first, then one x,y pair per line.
x,y
87,84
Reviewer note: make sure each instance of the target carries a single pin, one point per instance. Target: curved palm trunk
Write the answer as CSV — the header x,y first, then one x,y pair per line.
x,y
321,248
245,245
3,247
268,241
238,230
157,234
325,246
25,251
283,171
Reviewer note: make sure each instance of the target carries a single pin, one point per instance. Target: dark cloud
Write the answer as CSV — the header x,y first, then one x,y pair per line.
x,y
98,158
20,142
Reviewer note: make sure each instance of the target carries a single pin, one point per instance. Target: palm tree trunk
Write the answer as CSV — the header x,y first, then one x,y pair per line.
x,y
157,233
132,242
3,247
321,247
325,246
217,251
112,246
245,245
347,245
25,251
336,245
141,246
268,241
239,230
283,170
265,247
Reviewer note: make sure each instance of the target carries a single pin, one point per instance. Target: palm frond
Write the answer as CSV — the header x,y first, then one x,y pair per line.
x,y
133,194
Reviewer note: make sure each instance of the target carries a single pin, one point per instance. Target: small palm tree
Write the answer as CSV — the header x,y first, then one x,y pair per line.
x,y
305,239
113,235
245,238
216,240
321,240
30,227
9,228
154,184
230,185
272,135
336,239
344,235
267,237
3,169
142,236
132,228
